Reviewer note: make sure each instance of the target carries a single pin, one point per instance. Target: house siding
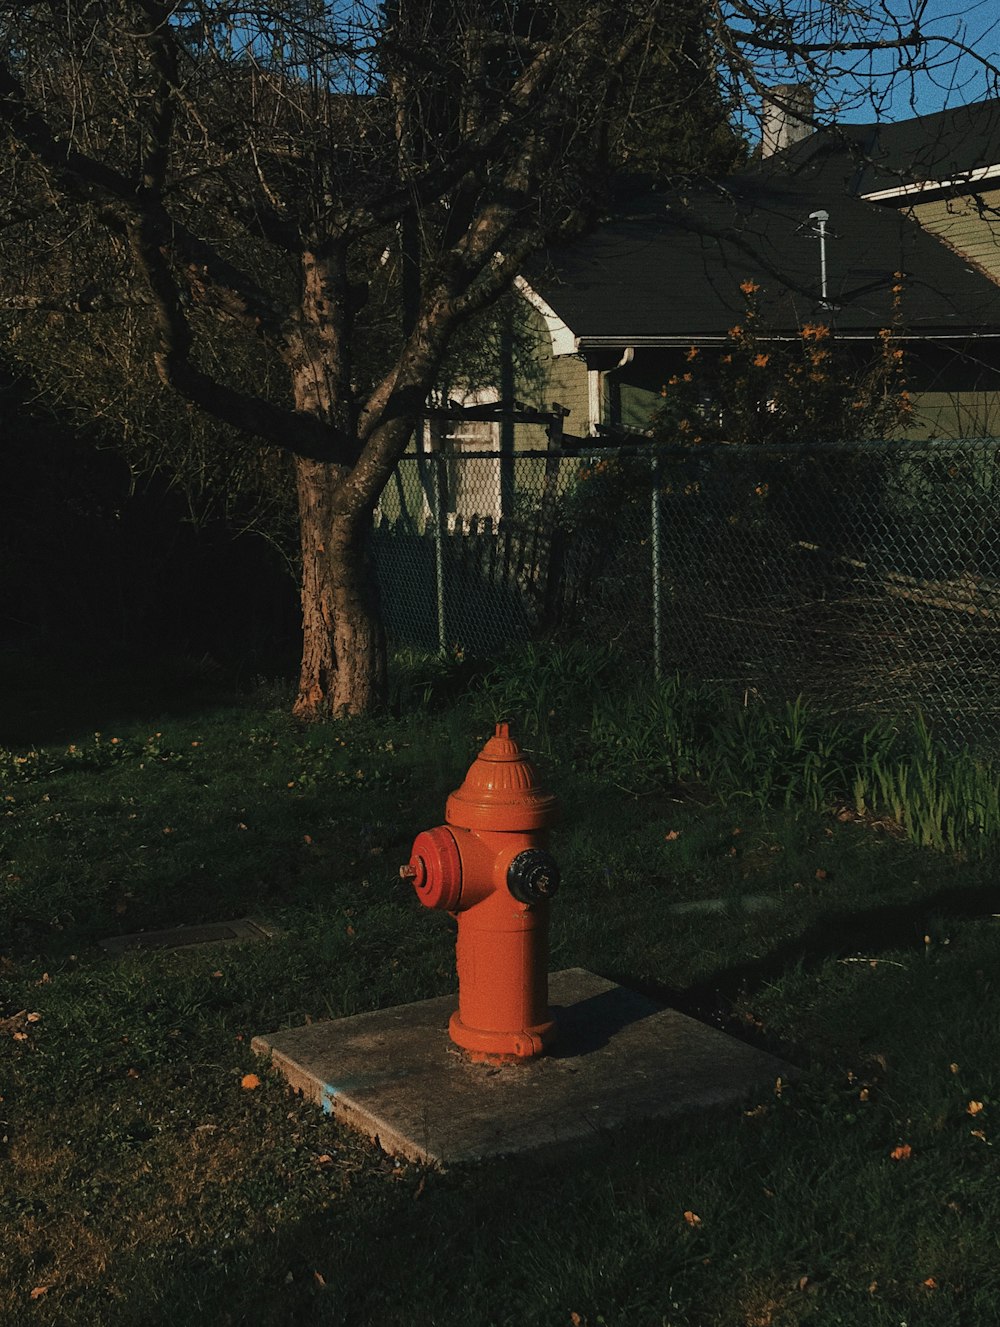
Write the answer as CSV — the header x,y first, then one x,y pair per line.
x,y
954,415
970,226
551,379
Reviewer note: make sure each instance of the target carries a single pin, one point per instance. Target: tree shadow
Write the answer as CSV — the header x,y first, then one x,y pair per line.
x,y
50,697
869,932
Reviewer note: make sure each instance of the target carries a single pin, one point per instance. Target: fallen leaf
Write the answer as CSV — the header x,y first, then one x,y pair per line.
x,y
133,1073
20,1036
307,838
249,1082
323,1159
863,1094
692,1218
672,834
974,1107
978,1133
822,874
954,1068
901,1153
320,1280
930,1283
577,1321
38,1292
873,1288
33,1018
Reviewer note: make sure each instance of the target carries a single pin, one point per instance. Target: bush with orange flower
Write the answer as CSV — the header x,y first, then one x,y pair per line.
x,y
814,387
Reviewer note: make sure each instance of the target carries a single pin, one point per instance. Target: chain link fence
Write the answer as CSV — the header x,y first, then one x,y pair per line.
x,y
865,575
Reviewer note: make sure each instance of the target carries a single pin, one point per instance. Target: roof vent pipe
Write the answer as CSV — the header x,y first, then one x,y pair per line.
x,y
786,111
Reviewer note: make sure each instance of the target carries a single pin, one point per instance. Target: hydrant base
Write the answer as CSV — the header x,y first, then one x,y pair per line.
x,y
500,1047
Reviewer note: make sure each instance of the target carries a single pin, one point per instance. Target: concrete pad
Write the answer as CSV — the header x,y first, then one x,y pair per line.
x,y
395,1075
188,937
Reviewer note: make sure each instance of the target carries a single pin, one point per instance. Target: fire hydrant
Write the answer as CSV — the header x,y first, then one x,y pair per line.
x,y
489,866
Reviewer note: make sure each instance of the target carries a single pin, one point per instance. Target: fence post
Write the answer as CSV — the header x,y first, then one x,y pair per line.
x,y
439,508
655,536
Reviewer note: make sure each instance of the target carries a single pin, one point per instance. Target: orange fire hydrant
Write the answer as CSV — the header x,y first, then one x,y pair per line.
x,y
489,866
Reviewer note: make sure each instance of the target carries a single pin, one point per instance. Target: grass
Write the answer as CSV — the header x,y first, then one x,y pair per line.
x,y
144,1183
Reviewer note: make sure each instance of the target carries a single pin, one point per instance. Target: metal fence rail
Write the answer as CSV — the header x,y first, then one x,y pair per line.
x,y
864,575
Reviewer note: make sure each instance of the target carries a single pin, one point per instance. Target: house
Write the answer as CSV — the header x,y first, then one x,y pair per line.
x,y
822,224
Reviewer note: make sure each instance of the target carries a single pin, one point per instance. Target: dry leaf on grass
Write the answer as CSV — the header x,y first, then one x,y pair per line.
x,y
901,1153
249,1082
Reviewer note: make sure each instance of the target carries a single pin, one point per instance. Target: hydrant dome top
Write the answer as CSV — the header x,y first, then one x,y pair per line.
x,y
501,791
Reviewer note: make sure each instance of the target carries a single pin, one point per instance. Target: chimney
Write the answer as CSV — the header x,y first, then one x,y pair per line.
x,y
783,107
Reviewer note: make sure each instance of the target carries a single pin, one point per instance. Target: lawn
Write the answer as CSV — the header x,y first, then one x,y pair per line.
x,y
145,1182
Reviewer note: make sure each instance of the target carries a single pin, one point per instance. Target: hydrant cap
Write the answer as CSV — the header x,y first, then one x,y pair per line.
x,y
500,791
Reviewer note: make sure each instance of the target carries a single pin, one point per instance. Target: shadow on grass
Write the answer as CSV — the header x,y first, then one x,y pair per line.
x,y
52,698
407,1245
869,933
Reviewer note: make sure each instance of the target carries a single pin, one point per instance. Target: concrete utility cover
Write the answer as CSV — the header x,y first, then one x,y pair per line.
x,y
395,1075
187,937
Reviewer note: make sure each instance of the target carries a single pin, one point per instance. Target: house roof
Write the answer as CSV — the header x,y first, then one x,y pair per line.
x,y
939,148
670,273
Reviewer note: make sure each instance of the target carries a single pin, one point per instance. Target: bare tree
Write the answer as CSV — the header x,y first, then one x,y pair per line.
x,y
245,181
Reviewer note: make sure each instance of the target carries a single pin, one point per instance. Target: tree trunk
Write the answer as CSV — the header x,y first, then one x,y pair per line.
x,y
343,643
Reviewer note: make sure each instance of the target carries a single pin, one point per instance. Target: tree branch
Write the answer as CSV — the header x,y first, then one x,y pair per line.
x,y
793,47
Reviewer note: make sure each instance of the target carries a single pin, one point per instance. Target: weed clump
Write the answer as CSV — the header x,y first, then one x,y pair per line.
x,y
645,735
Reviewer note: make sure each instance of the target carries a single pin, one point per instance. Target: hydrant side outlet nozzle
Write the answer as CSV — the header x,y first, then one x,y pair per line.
x,y
435,867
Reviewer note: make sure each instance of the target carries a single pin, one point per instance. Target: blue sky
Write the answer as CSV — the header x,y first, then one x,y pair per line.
x,y
861,87
953,77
